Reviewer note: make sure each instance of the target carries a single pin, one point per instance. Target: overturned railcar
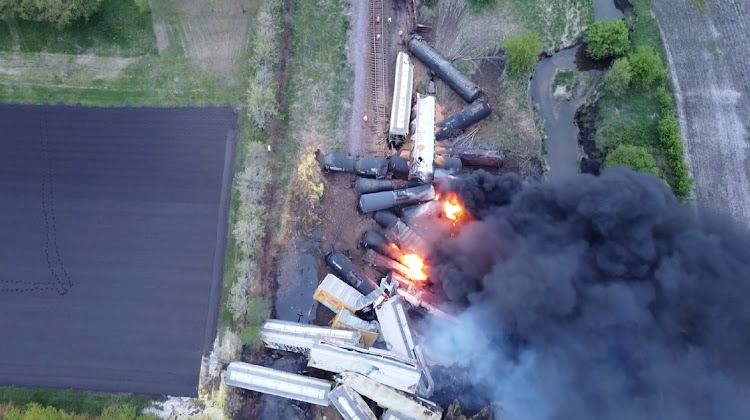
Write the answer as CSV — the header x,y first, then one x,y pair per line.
x,y
401,106
299,338
421,158
455,123
465,88
274,382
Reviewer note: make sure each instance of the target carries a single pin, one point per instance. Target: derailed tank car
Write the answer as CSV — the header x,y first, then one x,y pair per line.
x,y
465,88
423,141
455,123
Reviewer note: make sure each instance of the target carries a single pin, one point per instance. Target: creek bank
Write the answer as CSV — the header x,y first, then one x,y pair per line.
x,y
561,83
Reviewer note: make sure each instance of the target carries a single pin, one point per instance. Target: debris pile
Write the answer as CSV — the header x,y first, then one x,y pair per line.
x,y
371,347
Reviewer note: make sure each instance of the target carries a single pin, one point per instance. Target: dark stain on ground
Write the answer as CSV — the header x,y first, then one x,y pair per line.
x,y
125,211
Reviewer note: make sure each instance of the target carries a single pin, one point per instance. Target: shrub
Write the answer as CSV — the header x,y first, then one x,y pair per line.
x,y
664,99
124,412
636,158
669,139
646,66
142,5
522,52
61,13
261,93
251,336
617,80
607,38
257,312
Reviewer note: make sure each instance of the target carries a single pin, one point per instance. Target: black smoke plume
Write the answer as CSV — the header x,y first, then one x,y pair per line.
x,y
598,298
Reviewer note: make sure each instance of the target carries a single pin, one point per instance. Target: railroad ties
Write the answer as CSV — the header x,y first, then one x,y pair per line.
x,y
378,22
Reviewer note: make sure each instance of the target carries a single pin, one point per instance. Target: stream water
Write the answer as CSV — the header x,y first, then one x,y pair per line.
x,y
561,83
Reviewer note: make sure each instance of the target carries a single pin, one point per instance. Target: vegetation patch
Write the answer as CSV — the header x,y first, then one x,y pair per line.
x,y
115,66
27,402
521,53
243,301
318,77
607,38
559,23
635,113
116,28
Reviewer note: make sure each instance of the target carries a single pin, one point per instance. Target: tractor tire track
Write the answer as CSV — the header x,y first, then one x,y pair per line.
x,y
61,281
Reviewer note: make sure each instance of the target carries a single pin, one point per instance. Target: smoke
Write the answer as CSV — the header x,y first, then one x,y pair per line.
x,y
597,298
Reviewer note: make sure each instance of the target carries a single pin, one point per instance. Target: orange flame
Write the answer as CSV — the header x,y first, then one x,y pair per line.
x,y
415,264
453,209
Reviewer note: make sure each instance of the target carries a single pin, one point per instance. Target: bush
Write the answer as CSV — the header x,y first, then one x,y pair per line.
x,y
664,99
261,94
251,336
142,5
617,80
607,38
257,313
646,66
522,52
636,158
669,139
124,412
59,12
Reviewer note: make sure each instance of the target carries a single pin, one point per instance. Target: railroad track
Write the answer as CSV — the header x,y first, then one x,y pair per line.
x,y
378,68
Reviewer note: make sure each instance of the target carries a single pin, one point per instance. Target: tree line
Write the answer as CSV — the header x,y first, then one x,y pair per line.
x,y
61,13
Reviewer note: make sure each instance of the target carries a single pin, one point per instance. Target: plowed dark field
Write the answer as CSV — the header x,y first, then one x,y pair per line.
x,y
707,47
112,239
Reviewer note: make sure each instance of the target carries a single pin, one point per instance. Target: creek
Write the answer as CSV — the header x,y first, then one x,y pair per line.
x,y
561,83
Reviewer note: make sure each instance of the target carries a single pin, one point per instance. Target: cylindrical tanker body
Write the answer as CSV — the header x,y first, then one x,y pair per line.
x,y
376,241
448,163
350,274
338,162
398,165
455,123
368,186
388,199
465,88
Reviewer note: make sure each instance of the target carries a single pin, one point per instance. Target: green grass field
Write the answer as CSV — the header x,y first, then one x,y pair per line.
x,y
71,401
112,60
118,29
556,22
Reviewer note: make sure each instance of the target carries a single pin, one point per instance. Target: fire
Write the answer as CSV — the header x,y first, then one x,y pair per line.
x,y
453,209
415,264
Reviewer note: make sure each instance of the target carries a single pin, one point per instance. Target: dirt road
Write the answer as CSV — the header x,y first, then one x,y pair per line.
x,y
710,70
357,48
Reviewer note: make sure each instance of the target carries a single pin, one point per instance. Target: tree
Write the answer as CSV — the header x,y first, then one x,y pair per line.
x,y
58,12
618,77
522,52
607,38
636,158
646,66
